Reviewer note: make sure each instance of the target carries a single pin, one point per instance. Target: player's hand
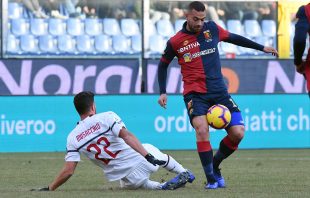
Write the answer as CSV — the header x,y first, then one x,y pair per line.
x,y
300,68
271,50
150,158
41,189
162,101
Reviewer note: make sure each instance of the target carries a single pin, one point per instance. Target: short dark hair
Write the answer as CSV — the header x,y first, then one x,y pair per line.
x,y
196,5
83,101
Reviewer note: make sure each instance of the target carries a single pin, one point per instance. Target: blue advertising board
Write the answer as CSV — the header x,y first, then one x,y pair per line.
x,y
113,76
42,123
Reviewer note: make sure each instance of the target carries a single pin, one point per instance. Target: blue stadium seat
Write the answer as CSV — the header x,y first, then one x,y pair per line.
x,y
129,27
19,26
93,27
247,51
120,44
150,28
164,28
178,24
219,46
156,44
29,44
222,24
103,44
56,27
111,26
252,28
12,46
66,44
38,27
229,48
84,44
235,26
15,10
75,26
269,28
136,43
48,44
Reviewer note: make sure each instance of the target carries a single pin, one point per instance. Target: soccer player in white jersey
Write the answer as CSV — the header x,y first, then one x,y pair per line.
x,y
104,139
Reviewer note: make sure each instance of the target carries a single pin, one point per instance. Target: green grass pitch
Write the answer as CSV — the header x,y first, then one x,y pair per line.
x,y
248,173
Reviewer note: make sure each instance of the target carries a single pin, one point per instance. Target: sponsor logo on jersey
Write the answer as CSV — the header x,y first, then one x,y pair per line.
x,y
187,57
185,42
188,47
204,52
208,35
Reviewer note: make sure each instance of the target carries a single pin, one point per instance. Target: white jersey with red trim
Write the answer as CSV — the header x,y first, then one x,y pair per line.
x,y
97,137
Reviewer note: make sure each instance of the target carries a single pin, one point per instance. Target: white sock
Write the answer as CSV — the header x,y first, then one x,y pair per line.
x,y
173,166
152,185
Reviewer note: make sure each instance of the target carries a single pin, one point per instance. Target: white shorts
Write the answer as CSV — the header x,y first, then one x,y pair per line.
x,y
141,174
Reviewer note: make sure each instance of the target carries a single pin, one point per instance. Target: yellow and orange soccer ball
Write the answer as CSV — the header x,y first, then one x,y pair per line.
x,y
218,116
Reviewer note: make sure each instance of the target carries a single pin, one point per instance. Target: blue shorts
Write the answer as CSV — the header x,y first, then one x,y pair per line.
x,y
197,104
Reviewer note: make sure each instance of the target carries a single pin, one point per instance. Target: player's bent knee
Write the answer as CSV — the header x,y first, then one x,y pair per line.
x,y
236,133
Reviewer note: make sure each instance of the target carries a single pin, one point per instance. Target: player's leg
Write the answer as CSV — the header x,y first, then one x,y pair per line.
x,y
139,177
171,164
197,108
204,149
183,175
229,144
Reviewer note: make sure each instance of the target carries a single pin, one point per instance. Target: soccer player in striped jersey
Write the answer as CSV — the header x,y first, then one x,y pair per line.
x,y
195,46
104,139
302,28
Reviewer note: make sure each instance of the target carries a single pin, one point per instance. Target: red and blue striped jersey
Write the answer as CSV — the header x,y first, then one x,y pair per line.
x,y
199,58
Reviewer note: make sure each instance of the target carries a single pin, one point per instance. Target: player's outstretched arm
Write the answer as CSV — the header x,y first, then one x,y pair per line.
x,y
66,172
271,50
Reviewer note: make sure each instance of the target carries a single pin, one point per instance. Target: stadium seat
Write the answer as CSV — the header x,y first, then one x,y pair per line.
x,y
235,26
222,24
129,27
150,29
66,44
229,48
93,27
19,26
252,28
103,44
178,24
15,10
84,44
12,46
264,40
164,28
157,44
120,44
38,27
246,51
219,46
136,43
56,27
111,26
269,28
29,44
75,26
48,44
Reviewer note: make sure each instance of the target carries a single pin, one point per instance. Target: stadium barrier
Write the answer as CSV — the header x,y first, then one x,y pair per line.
x,y
42,123
111,76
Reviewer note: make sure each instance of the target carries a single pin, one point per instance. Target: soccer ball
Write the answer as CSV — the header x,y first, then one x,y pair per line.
x,y
218,116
